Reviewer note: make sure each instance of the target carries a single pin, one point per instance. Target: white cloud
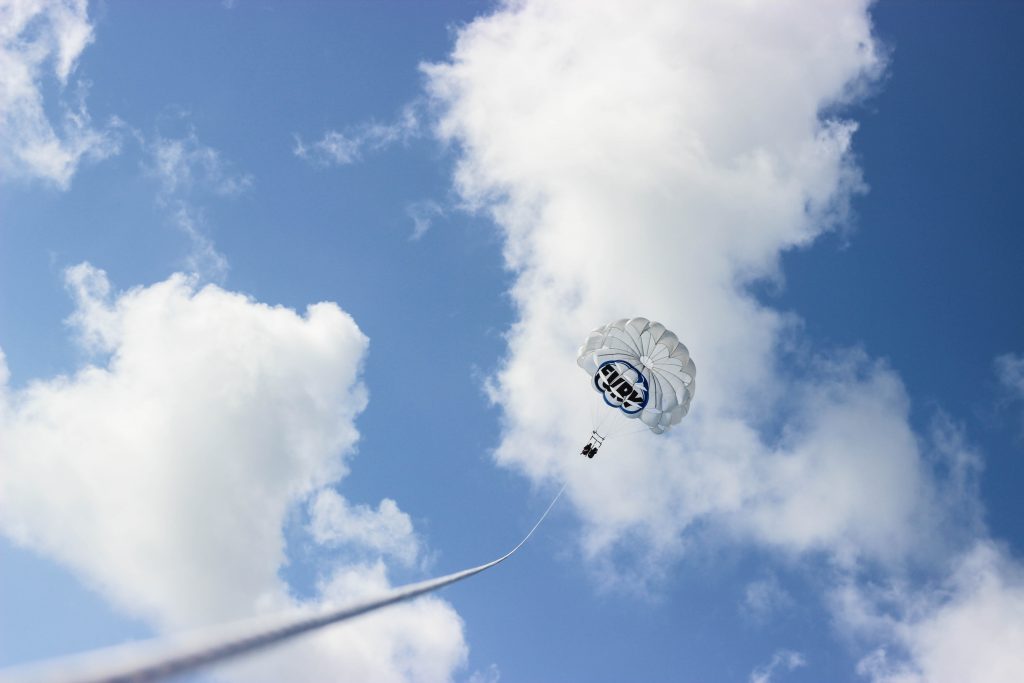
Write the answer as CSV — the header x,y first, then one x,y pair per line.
x,y
764,598
422,214
39,40
386,530
419,641
185,165
162,476
968,628
185,170
783,659
203,258
336,148
655,159
491,675
333,147
1010,370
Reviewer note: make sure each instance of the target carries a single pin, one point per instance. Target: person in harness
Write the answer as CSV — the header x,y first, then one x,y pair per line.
x,y
590,449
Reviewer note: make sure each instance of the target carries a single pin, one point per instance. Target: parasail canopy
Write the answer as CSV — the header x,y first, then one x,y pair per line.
x,y
642,370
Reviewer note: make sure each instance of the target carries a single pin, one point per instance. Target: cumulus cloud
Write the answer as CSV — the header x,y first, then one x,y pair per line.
x,y
419,641
42,40
340,148
386,530
969,627
162,473
656,159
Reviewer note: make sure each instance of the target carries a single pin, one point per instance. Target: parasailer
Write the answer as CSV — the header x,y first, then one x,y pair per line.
x,y
590,448
642,371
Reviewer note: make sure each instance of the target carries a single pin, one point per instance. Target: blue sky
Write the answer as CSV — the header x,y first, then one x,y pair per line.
x,y
817,199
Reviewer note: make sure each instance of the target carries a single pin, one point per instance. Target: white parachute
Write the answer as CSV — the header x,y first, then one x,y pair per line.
x,y
642,370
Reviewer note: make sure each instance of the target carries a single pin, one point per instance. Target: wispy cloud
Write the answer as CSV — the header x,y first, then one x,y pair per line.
x,y
40,40
1009,369
188,172
783,660
967,627
491,675
422,214
339,148
203,257
184,166
764,598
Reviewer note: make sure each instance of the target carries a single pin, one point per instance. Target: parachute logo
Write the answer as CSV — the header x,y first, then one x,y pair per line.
x,y
623,386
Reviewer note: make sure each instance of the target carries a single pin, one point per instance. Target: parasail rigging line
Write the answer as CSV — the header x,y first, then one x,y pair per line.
x,y
161,658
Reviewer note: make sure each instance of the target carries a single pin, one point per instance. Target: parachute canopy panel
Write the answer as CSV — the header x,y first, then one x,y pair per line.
x,y
641,369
